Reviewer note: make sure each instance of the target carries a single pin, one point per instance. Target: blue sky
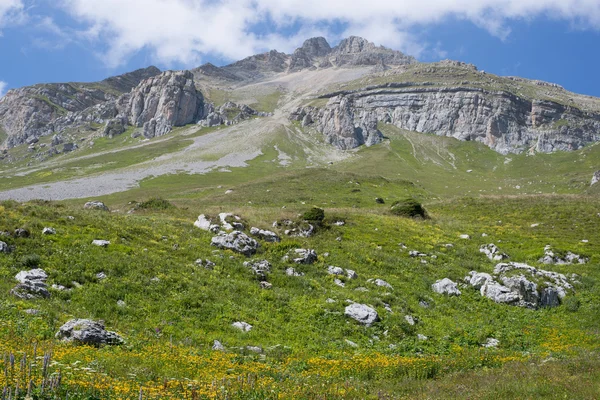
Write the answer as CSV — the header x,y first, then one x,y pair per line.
x,y
88,40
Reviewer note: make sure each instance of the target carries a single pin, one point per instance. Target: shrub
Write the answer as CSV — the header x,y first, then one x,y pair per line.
x,y
31,261
408,208
572,304
315,214
155,204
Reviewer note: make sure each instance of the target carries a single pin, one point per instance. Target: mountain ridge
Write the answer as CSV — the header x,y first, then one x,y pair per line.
x,y
448,98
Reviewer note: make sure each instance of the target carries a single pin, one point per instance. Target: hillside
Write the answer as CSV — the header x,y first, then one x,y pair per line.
x,y
167,240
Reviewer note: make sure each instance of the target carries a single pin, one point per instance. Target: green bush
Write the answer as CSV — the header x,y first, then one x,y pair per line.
x,y
155,204
408,208
31,261
572,304
315,214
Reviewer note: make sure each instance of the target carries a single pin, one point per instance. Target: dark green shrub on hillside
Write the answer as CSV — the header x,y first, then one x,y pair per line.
x,y
315,214
31,261
155,204
572,304
410,208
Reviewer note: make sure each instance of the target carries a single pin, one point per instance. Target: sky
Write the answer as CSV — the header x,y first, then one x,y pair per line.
x,y
88,40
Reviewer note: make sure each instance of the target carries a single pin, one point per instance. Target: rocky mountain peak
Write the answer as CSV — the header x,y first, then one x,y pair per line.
x,y
354,44
315,47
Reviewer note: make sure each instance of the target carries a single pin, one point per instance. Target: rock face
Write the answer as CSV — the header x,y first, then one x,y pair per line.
x,y
362,313
88,332
30,112
236,241
344,125
162,102
501,120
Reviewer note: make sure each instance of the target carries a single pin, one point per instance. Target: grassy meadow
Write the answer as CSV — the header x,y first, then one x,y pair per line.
x,y
170,310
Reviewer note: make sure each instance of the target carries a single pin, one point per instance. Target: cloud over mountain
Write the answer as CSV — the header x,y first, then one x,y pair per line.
x,y
183,31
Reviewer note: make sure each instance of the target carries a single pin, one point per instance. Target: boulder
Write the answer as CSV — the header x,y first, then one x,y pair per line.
x,y
305,256
478,279
526,290
22,233
265,235
87,332
350,274
491,343
4,248
550,297
236,241
331,270
95,205
49,231
242,326
292,272
217,346
446,286
32,285
409,320
381,283
100,243
492,252
206,224
32,275
595,178
362,313
260,268
499,294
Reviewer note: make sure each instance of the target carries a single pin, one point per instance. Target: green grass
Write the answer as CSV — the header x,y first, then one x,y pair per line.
x,y
268,102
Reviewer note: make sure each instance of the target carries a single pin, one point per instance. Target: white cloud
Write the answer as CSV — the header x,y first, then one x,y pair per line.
x,y
185,30
3,86
10,11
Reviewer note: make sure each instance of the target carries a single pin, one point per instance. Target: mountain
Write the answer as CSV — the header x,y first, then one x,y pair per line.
x,y
30,112
356,87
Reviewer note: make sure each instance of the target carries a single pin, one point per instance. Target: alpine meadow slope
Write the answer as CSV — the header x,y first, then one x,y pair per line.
x,y
340,222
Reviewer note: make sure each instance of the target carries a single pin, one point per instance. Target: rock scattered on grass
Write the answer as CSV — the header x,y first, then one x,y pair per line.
x,y
32,285
236,241
362,313
242,326
87,332
265,235
100,243
492,252
49,231
446,286
95,205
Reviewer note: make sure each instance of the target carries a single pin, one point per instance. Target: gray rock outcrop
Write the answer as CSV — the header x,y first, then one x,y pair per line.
x,y
34,111
595,178
492,252
362,313
521,285
446,286
305,256
550,257
265,235
95,205
88,332
260,268
236,241
162,102
32,285
501,120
